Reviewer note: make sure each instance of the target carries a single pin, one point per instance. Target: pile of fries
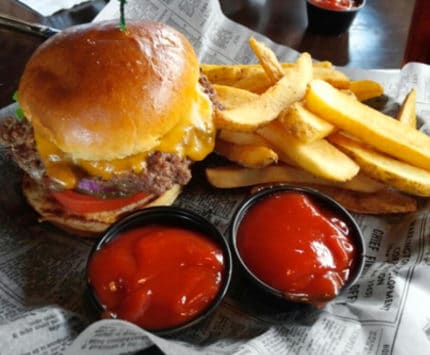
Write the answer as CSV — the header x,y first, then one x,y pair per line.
x,y
305,124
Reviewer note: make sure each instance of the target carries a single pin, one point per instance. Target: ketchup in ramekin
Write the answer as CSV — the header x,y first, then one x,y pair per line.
x,y
161,274
332,17
298,243
334,4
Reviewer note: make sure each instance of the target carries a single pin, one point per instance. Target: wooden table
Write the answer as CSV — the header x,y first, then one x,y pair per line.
x,y
377,38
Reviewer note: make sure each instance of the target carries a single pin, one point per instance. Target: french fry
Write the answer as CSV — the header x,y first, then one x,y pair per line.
x,y
380,202
268,105
349,93
227,177
250,156
233,70
249,77
361,182
268,60
366,89
231,97
289,112
257,82
407,114
324,64
402,176
167,198
319,157
285,158
226,74
332,76
241,138
369,125
303,124
253,78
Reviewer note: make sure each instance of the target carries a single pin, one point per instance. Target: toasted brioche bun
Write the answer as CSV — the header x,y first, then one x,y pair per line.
x,y
98,93
88,224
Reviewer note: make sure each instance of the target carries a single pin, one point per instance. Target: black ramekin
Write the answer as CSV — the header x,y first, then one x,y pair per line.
x,y
278,297
168,216
331,22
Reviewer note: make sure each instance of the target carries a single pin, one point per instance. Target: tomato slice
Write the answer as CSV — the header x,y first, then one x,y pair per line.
x,y
80,203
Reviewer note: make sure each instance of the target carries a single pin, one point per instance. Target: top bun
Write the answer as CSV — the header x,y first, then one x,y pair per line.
x,y
98,93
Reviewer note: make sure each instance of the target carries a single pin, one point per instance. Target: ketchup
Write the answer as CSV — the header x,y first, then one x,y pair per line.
x,y
297,247
334,4
156,276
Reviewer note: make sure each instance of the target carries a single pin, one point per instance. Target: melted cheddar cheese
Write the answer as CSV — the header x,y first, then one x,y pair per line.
x,y
193,136
59,166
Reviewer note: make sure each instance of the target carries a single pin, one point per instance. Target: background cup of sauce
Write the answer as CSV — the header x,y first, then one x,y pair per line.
x,y
297,245
165,269
332,17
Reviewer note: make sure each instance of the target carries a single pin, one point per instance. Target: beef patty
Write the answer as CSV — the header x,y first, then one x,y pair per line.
x,y
163,170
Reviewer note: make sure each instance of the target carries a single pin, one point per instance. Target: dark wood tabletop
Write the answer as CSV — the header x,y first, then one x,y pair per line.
x,y
377,38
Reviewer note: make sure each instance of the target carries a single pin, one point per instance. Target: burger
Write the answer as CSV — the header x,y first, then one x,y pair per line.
x,y
113,119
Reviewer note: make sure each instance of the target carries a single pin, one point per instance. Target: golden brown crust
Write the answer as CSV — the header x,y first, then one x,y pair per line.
x,y
99,93
377,203
89,224
385,201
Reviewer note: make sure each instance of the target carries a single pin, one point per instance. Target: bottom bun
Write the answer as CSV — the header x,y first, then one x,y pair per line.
x,y
86,224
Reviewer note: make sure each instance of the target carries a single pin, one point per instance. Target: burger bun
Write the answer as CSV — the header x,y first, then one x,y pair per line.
x,y
86,224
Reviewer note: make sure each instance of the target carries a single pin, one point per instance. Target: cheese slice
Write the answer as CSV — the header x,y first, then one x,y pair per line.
x,y
193,137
